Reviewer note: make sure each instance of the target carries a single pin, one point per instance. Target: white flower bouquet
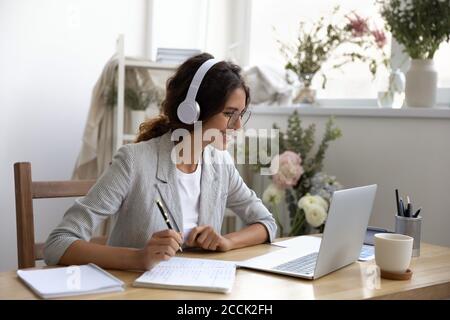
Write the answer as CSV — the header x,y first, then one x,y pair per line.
x,y
299,179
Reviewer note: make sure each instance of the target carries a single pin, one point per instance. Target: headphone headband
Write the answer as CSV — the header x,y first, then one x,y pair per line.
x,y
189,110
198,77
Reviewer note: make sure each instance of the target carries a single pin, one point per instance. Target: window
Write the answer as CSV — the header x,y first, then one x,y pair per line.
x,y
249,29
442,64
273,20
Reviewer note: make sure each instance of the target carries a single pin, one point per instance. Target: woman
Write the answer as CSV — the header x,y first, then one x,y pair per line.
x,y
194,190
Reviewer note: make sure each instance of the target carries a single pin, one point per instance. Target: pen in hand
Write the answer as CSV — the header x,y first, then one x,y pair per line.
x,y
166,217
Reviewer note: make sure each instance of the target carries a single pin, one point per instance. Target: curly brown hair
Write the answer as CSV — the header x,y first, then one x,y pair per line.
x,y
217,85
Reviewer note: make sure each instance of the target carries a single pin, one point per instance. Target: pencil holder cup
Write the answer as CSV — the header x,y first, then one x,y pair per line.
x,y
410,227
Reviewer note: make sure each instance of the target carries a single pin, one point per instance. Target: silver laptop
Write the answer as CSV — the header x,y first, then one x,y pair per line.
x,y
340,245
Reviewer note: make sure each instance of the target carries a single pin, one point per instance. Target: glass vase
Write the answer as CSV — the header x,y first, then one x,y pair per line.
x,y
306,95
391,93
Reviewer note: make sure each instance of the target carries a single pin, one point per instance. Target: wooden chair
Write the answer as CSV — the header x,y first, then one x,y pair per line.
x,y
26,190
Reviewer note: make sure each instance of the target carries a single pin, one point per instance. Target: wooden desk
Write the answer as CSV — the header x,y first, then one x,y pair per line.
x,y
431,280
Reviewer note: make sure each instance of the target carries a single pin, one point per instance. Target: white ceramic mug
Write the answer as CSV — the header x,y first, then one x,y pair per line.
x,y
393,251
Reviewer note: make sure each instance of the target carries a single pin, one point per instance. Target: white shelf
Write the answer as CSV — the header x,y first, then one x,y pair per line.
x,y
433,113
150,64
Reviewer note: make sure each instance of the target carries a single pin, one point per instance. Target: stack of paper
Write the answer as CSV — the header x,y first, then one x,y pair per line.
x,y
70,281
174,55
190,274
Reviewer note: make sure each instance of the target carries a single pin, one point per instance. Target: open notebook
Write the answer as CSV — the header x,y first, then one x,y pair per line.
x,y
70,281
190,274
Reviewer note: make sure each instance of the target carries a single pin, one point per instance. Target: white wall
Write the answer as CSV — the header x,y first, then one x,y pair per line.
x,y
51,54
411,154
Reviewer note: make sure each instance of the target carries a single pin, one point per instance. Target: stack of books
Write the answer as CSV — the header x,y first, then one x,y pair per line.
x,y
174,55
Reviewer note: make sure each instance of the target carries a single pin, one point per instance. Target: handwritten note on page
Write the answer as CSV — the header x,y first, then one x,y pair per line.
x,y
190,274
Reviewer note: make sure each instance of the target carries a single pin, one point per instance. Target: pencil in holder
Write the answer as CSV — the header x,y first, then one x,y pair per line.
x,y
410,227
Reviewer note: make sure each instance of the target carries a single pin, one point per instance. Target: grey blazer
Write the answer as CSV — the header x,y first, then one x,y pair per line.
x,y
141,172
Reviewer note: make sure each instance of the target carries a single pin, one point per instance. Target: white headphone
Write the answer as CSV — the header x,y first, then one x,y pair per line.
x,y
189,110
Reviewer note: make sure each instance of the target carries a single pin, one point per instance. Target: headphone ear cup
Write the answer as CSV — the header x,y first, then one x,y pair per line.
x,y
188,112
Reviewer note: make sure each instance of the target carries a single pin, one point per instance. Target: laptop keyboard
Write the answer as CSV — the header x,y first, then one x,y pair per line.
x,y
302,265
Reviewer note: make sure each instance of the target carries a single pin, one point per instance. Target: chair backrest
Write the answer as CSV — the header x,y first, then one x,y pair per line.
x,y
26,190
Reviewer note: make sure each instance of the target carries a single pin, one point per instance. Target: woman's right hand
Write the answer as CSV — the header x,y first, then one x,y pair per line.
x,y
162,246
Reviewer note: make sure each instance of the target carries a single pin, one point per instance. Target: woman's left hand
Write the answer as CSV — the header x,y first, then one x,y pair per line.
x,y
206,238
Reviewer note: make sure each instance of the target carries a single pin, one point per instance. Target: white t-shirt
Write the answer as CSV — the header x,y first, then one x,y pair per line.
x,y
188,186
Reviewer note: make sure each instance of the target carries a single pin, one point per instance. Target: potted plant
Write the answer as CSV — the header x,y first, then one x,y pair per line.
x,y
139,103
420,26
153,98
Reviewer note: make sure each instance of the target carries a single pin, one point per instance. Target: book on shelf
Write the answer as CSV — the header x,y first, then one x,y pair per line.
x,y
174,55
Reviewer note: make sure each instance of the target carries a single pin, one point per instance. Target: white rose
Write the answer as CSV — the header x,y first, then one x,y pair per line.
x,y
322,202
272,195
310,200
315,215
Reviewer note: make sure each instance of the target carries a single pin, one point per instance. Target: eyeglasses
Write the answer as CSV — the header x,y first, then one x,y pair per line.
x,y
233,117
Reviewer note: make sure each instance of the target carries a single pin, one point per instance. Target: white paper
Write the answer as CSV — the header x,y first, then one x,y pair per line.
x,y
191,274
67,281
311,243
